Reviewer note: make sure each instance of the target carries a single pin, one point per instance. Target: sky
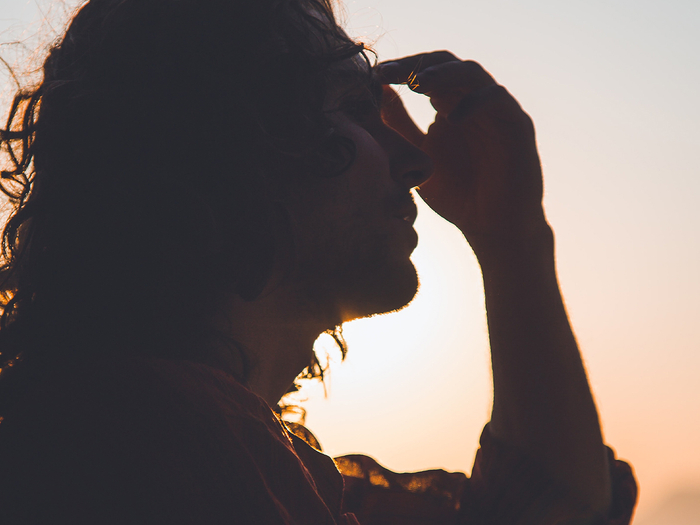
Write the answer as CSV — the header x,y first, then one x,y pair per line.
x,y
611,86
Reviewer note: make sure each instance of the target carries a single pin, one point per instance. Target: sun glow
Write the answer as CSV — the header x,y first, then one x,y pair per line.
x,y
612,88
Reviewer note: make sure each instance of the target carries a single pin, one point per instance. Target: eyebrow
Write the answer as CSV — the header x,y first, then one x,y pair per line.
x,y
352,81
355,79
376,88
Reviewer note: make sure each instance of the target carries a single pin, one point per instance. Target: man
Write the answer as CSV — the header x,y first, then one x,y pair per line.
x,y
202,188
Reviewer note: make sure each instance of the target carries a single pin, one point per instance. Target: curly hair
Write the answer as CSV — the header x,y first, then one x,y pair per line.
x,y
142,171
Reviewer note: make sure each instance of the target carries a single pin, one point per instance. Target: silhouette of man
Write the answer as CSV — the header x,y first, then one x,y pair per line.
x,y
201,189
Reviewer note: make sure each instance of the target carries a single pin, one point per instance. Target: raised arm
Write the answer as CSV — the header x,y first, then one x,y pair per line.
x,y
488,182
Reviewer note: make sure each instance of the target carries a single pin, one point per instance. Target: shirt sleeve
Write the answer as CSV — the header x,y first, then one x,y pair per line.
x,y
509,487
505,488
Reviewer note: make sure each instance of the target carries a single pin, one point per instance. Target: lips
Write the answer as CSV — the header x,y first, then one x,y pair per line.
x,y
409,218
407,213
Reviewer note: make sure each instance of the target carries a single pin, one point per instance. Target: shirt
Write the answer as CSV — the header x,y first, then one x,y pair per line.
x,y
151,441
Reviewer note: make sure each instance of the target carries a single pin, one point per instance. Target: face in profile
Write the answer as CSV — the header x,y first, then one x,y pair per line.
x,y
353,232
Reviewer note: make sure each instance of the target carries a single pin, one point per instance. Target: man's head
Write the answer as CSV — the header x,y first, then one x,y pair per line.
x,y
354,231
180,150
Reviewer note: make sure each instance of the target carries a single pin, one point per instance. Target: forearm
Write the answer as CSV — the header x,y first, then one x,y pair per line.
x,y
488,181
542,400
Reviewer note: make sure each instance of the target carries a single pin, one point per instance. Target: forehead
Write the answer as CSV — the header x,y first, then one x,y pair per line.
x,y
351,74
353,77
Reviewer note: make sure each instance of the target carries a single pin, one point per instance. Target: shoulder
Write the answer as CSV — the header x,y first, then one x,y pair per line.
x,y
132,438
135,404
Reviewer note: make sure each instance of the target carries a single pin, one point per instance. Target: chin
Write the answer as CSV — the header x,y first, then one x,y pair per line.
x,y
381,292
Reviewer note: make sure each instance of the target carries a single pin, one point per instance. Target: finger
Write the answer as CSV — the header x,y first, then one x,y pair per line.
x,y
400,71
493,98
463,77
395,116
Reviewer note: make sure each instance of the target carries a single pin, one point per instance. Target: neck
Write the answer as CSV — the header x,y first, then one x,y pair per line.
x,y
277,333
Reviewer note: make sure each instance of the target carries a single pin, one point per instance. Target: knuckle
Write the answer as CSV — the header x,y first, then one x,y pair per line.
x,y
499,92
472,64
477,71
527,122
444,54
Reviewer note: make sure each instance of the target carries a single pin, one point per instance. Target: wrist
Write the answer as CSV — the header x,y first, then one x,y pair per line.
x,y
514,248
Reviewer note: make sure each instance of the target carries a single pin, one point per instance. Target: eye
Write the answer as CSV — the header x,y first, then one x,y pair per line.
x,y
361,110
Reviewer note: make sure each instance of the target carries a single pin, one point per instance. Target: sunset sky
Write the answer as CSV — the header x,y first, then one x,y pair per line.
x,y
612,87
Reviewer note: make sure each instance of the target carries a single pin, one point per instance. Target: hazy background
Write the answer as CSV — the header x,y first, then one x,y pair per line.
x,y
612,89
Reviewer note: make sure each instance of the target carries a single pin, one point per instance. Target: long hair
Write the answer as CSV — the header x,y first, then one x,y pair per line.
x,y
142,171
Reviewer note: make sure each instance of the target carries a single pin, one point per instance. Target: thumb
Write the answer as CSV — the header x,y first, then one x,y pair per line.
x,y
395,116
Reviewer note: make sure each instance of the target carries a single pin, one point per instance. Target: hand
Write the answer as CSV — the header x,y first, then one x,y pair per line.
x,y
487,178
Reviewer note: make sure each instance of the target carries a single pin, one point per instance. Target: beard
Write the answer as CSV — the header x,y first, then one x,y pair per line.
x,y
376,289
350,284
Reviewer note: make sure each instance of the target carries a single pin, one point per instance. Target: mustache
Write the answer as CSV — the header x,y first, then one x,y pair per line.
x,y
403,206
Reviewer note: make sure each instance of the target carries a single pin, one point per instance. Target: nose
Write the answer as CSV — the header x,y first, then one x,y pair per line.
x,y
409,165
